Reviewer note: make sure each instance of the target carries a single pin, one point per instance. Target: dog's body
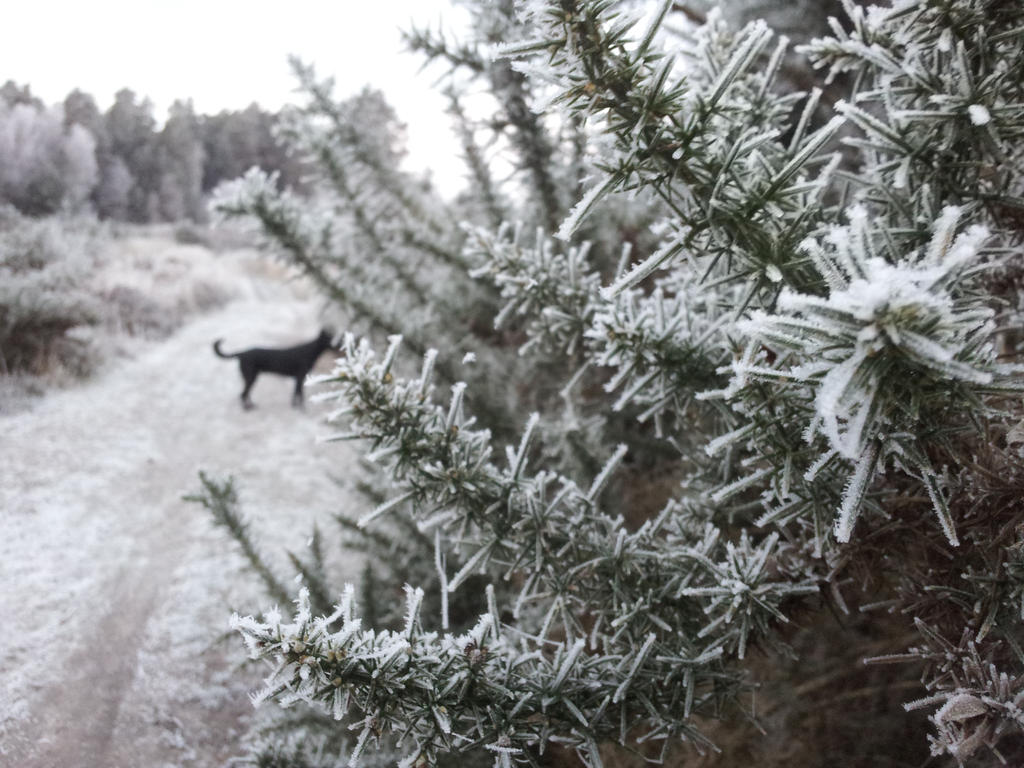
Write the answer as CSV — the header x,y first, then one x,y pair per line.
x,y
296,362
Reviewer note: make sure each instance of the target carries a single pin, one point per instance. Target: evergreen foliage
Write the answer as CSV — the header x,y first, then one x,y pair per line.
x,y
808,326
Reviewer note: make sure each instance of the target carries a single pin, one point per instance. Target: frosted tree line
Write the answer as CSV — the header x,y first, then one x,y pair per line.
x,y
694,427
120,163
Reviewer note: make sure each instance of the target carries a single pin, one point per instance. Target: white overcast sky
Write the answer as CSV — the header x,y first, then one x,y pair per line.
x,y
226,54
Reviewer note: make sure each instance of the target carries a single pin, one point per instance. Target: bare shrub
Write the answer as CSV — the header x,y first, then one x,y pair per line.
x,y
189,233
135,313
43,266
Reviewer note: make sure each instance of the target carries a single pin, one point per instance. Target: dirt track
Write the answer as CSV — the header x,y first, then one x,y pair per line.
x,y
114,591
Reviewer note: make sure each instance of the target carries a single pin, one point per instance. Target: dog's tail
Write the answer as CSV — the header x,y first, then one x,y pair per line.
x,y
216,348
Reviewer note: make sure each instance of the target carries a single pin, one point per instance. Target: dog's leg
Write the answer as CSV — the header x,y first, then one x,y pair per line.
x,y
249,374
297,398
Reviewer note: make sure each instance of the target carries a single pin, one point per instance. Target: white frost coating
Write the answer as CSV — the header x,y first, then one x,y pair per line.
x,y
474,562
945,43
568,661
959,707
642,270
873,306
582,208
738,485
816,467
442,578
606,472
428,370
413,601
455,410
941,509
979,114
519,459
723,441
394,342
384,508
939,357
640,656
854,493
966,246
441,715
831,393
944,229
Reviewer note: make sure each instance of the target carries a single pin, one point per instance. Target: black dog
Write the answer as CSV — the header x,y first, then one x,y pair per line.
x,y
296,362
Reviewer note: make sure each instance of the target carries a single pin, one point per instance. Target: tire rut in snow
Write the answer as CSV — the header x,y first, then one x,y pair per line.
x,y
78,719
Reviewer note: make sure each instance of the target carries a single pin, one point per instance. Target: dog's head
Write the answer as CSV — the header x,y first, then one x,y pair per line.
x,y
329,339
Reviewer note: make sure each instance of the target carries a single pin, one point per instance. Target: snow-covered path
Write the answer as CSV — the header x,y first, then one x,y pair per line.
x,y
114,592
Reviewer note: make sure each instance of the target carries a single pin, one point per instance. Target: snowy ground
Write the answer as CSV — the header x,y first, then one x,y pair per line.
x,y
115,593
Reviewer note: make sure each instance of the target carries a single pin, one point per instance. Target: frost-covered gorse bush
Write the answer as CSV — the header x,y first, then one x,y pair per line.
x,y
42,298
804,315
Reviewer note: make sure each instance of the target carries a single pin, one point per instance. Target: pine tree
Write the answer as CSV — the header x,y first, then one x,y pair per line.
x,y
809,326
